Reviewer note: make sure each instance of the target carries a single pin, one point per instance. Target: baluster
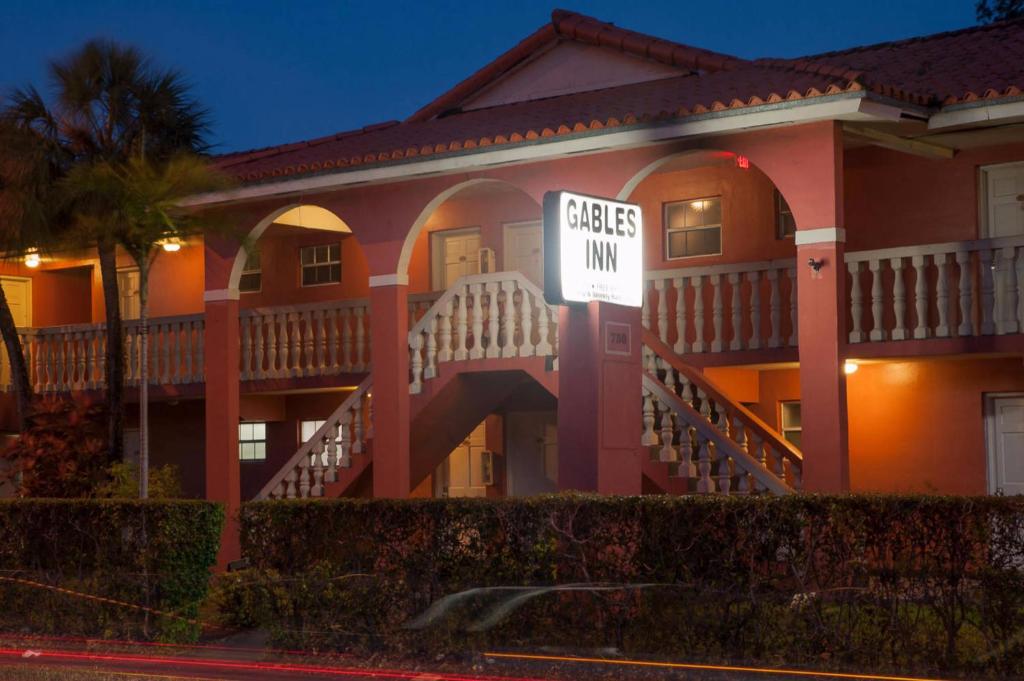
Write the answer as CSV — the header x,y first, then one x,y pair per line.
x,y
686,469
493,321
778,463
966,293
347,321
444,352
742,475
289,481
659,286
59,368
705,404
508,345
304,483
526,348
357,426
698,313
295,335
461,325
416,362
736,309
856,303
774,308
320,334
794,319
282,344
477,315
754,278
331,321
878,330
80,378
256,323
90,361
941,294
345,440
922,329
667,453
360,360
724,472
318,470
716,312
705,485
899,299
645,310
177,368
756,450
679,283
649,438
987,297
544,329
331,446
430,366
1008,287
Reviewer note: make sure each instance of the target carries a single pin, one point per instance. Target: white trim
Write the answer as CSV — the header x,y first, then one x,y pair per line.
x,y
389,280
822,235
849,106
976,114
988,414
28,302
220,294
984,207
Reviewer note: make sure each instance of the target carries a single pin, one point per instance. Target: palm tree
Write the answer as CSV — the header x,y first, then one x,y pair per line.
x,y
138,203
108,104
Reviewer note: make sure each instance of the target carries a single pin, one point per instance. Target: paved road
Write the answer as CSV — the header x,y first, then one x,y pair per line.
x,y
194,664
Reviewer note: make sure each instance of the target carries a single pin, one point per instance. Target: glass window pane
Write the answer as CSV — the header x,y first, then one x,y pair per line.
x,y
335,252
259,431
712,214
306,255
260,450
250,282
676,244
794,436
244,431
334,273
674,215
791,415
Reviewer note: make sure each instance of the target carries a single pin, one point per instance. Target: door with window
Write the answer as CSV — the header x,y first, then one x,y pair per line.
x,y
128,293
524,250
456,253
1005,198
1006,444
18,291
465,473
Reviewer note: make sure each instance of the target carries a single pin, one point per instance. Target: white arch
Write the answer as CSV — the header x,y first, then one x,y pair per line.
x,y
254,234
402,270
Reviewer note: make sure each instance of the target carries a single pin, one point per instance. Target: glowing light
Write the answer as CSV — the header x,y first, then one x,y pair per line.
x,y
850,367
697,205
171,245
743,162
32,259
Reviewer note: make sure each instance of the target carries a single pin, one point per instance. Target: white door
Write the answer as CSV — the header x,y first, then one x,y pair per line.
x,y
1006,445
456,253
1005,198
531,445
464,467
19,297
128,292
524,250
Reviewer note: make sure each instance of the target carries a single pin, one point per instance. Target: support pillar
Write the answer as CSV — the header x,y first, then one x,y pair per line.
x,y
599,393
222,379
389,354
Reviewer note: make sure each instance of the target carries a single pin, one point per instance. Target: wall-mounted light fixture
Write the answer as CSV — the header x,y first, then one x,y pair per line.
x,y
171,244
850,367
32,258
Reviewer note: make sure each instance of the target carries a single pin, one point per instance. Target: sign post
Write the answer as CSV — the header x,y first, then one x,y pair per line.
x,y
593,268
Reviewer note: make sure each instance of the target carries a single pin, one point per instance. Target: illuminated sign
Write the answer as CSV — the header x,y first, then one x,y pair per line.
x,y
593,250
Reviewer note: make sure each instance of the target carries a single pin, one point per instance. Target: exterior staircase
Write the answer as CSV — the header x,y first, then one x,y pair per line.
x,y
483,339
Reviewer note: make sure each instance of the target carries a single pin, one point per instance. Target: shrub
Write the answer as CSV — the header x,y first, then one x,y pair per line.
x,y
123,483
62,451
871,582
152,554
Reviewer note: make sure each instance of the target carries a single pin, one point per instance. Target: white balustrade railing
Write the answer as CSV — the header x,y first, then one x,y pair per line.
x,y
743,306
316,464
958,289
482,316
707,437
73,357
316,339
420,304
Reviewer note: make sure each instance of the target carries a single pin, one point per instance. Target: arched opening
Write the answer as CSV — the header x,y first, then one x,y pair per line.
x,y
720,274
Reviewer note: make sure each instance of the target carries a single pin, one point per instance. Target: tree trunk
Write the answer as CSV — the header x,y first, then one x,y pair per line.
x,y
20,382
114,372
144,379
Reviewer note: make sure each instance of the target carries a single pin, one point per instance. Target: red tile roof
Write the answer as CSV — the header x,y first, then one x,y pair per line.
x,y
944,69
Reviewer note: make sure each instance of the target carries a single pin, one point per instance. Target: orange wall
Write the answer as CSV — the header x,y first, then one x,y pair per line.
x,y
915,425
748,214
488,212
896,199
62,297
279,261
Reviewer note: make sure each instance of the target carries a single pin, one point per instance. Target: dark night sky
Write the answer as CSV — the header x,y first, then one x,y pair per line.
x,y
274,72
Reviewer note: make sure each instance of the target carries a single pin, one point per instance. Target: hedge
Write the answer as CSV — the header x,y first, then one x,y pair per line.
x,y
885,583
74,567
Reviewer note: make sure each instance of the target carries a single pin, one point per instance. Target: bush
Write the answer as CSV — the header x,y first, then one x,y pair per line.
x,y
164,482
152,554
880,583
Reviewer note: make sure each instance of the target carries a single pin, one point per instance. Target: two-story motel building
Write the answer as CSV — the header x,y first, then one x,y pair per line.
x,y
833,284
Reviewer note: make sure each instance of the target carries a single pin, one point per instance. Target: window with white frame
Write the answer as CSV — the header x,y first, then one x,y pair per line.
x,y
252,441
785,224
307,429
252,274
320,264
693,227
790,422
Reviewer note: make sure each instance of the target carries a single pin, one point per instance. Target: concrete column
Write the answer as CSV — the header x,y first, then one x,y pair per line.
x,y
389,355
599,392
222,414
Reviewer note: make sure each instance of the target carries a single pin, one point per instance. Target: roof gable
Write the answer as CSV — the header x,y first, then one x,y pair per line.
x,y
569,67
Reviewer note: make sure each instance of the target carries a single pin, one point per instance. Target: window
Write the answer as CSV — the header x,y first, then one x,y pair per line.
x,y
307,429
785,225
252,441
252,274
791,424
128,293
694,227
320,264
